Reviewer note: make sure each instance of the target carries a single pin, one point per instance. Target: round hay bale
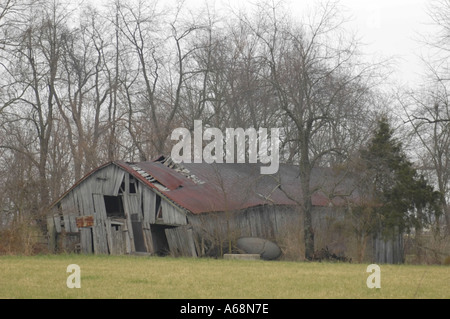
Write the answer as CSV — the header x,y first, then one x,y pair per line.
x,y
254,245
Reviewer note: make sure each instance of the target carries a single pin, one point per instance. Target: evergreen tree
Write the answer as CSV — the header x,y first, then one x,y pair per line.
x,y
405,199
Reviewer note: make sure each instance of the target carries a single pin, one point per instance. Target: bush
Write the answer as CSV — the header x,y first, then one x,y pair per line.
x,y
447,261
22,239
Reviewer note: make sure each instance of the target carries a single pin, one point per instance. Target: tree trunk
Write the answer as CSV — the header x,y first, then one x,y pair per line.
x,y
305,175
308,229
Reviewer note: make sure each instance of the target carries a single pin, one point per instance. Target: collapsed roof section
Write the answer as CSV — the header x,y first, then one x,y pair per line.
x,y
203,187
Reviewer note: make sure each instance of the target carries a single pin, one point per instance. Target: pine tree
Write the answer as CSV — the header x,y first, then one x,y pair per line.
x,y
405,199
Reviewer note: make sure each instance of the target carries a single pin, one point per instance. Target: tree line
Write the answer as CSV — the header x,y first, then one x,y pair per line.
x,y
82,84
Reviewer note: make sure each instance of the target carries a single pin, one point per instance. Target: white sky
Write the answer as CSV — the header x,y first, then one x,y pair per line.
x,y
391,28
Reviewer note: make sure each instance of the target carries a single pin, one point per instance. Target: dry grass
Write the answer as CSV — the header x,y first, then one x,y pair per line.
x,y
142,277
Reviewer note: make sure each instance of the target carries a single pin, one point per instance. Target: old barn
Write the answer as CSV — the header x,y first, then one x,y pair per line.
x,y
160,207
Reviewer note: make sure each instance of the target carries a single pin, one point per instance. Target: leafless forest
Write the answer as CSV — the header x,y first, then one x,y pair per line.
x,y
82,84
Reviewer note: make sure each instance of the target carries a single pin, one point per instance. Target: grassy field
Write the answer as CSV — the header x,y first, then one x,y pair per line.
x,y
156,277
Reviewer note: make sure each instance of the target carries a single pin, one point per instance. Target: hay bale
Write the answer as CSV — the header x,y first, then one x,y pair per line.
x,y
254,245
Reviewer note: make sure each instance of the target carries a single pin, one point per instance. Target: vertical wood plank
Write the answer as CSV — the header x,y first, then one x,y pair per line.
x,y
148,204
86,240
181,241
109,238
57,223
148,237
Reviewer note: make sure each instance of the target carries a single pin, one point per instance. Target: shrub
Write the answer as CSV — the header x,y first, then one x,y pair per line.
x,y
447,261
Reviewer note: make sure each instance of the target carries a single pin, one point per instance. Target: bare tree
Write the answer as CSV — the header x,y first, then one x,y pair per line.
x,y
33,54
313,68
84,89
426,109
84,84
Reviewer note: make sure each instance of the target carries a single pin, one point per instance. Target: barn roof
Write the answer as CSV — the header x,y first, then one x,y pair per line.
x,y
203,187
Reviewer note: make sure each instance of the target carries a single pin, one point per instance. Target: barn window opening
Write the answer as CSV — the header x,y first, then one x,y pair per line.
x,y
159,215
132,185
114,206
115,225
122,188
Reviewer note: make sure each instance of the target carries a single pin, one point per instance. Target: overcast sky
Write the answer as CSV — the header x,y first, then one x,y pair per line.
x,y
392,28
388,27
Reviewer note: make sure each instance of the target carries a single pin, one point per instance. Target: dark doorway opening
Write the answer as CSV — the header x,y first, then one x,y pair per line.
x,y
160,244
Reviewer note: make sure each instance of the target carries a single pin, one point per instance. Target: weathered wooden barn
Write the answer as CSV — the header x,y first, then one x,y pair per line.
x,y
160,207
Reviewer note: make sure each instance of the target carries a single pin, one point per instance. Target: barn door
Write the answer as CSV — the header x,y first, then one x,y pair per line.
x,y
138,234
87,245
181,241
99,232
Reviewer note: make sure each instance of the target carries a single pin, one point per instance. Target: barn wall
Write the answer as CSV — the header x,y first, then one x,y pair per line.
x,y
214,232
127,233
79,201
388,250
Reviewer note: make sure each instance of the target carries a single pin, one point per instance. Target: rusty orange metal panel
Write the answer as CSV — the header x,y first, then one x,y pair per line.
x,y
85,221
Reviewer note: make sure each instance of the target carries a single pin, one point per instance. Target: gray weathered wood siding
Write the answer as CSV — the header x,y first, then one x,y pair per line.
x,y
113,235
171,215
106,181
181,241
213,232
268,222
388,250
283,225
148,205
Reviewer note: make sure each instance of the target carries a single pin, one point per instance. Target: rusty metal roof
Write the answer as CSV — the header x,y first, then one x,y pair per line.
x,y
203,187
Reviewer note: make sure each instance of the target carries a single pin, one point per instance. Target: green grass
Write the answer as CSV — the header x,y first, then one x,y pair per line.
x,y
182,278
